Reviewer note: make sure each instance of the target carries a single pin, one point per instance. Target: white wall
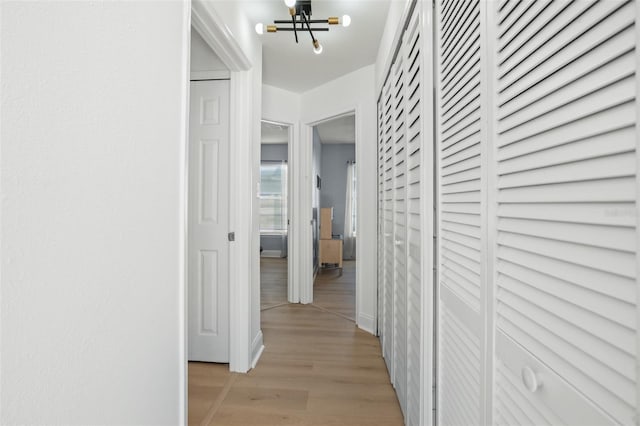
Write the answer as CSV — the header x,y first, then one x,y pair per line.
x,y
92,169
280,105
202,57
355,91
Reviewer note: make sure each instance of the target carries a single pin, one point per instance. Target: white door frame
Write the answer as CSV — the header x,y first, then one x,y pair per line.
x,y
216,34
292,256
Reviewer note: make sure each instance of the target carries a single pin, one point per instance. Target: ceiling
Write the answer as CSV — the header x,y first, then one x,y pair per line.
x,y
294,66
338,130
274,133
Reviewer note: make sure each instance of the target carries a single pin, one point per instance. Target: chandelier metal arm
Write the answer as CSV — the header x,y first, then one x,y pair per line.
x,y
306,21
295,32
299,29
311,21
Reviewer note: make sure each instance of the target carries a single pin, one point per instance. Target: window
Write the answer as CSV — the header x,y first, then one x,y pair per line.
x,y
273,198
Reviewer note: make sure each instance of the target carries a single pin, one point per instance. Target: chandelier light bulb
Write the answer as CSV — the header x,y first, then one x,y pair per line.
x,y
260,28
317,48
346,20
290,3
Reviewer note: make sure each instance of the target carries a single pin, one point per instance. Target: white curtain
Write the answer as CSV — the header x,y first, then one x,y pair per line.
x,y
350,214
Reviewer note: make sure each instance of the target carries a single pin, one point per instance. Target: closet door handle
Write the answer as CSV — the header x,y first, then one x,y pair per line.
x,y
398,242
530,379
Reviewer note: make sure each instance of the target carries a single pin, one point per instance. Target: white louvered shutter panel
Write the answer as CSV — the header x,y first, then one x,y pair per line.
x,y
566,190
460,159
380,220
387,205
413,94
400,231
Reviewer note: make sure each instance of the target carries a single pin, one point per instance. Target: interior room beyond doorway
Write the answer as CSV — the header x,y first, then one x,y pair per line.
x,y
334,212
274,214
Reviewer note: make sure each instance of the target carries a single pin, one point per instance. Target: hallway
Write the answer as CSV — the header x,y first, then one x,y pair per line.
x,y
317,367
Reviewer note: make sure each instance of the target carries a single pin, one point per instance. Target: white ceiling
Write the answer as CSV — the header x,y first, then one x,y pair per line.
x,y
294,66
274,133
338,130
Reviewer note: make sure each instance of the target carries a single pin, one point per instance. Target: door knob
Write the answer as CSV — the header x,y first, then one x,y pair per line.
x,y
530,379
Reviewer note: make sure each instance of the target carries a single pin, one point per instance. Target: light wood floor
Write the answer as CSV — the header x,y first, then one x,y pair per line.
x,y
330,290
273,281
337,293
318,368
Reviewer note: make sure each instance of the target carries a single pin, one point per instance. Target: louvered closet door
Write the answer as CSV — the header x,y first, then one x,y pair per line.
x,y
380,220
400,232
413,101
460,151
566,191
388,200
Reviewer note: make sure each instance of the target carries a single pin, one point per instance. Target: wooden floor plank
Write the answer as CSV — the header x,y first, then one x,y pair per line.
x,y
273,281
317,368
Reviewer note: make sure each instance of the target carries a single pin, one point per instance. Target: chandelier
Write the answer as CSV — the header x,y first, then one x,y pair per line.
x,y
300,12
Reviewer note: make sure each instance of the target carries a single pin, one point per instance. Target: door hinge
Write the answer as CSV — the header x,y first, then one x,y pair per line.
x,y
231,236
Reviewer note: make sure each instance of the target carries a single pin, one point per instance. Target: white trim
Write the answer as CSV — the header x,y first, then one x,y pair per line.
x,y
216,34
303,278
257,347
366,323
489,109
427,167
437,258
637,210
210,75
183,323
240,205
397,38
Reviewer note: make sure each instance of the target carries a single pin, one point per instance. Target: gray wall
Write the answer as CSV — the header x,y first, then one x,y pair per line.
x,y
274,152
334,180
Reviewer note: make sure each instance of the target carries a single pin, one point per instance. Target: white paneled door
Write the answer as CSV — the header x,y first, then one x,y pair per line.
x,y
208,222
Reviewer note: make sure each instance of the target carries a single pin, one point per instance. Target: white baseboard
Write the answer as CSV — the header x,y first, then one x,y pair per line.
x,y
367,323
271,253
257,347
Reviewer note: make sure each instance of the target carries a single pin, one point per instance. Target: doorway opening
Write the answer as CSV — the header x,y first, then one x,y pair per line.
x,y
274,214
334,215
